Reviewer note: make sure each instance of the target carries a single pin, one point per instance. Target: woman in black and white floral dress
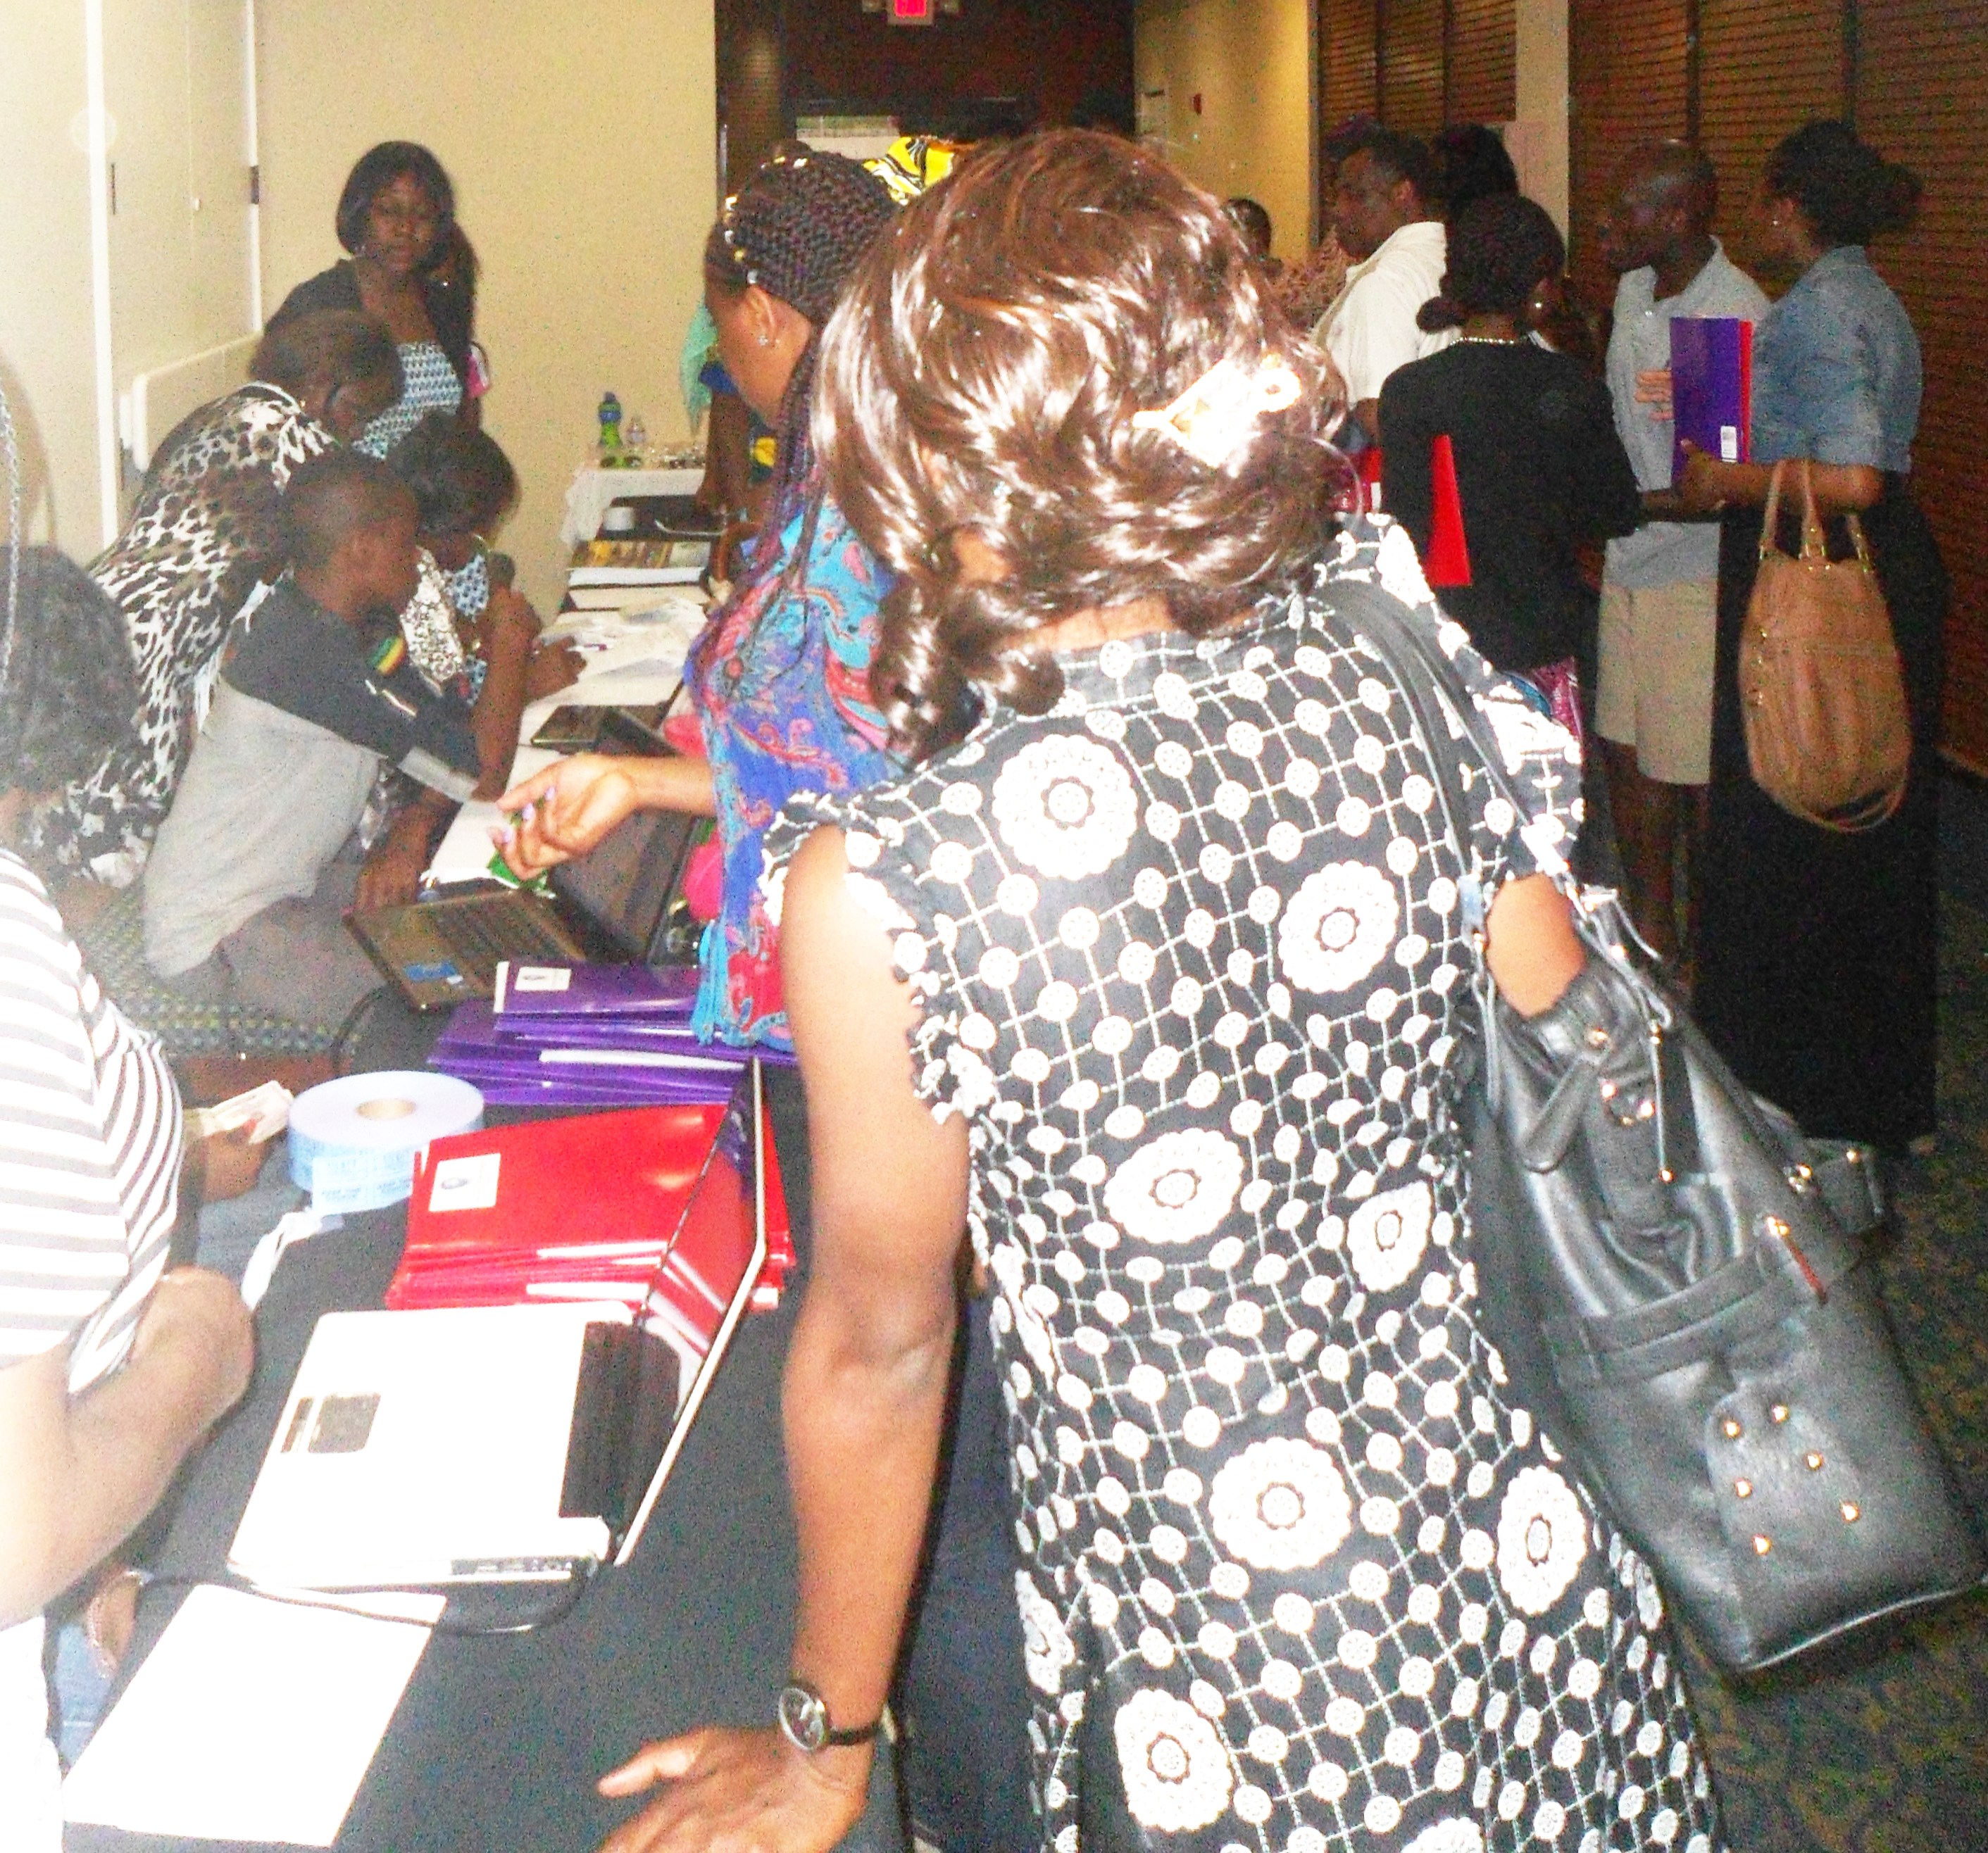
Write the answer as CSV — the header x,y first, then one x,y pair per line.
x,y
1181,942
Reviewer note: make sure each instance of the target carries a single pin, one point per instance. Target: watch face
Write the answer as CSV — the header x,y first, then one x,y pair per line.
x,y
803,1719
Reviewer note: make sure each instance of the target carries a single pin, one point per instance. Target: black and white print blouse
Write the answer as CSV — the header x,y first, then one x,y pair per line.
x,y
1189,950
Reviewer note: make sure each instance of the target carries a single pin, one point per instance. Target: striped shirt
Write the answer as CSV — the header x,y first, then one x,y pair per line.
x,y
89,1148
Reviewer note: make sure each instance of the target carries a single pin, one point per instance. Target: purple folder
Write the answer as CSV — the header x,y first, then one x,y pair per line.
x,y
552,988
1711,388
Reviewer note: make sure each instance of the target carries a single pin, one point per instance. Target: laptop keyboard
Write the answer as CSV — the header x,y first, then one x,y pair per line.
x,y
478,937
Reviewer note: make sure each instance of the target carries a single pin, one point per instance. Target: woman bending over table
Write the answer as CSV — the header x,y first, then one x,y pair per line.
x,y
112,1366
412,271
1817,975
778,680
201,538
1149,977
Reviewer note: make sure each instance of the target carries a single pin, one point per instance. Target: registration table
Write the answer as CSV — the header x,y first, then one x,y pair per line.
x,y
499,1740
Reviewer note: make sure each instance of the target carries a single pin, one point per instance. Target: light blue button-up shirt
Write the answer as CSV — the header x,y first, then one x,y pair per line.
x,y
1836,370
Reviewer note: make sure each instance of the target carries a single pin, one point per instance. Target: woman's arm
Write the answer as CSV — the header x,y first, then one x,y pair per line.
x,y
568,808
510,629
865,1393
1405,436
1709,485
1530,944
76,1476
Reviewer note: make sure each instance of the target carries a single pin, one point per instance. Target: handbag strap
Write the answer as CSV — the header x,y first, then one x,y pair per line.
x,y
1813,546
1444,709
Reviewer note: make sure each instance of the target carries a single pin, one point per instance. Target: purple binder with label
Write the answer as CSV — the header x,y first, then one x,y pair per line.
x,y
1711,388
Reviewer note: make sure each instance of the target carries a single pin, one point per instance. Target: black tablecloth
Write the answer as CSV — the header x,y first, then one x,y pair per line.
x,y
498,1741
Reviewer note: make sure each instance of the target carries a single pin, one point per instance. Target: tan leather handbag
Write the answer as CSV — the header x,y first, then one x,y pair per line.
x,y
1828,736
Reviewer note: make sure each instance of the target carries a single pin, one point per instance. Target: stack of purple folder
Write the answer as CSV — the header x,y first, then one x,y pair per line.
x,y
591,1036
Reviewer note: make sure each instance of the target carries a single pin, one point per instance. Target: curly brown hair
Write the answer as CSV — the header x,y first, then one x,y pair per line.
x,y
982,374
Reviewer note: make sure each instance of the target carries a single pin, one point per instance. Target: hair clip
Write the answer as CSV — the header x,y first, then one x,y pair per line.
x,y
1215,414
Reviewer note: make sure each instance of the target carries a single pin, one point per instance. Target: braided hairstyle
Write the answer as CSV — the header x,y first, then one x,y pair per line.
x,y
796,230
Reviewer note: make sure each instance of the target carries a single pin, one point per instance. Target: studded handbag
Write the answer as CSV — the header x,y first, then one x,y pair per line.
x,y
1671,1275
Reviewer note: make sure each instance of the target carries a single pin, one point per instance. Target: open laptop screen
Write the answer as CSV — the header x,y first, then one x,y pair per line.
x,y
625,886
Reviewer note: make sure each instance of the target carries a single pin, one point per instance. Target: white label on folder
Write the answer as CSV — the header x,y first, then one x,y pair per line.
x,y
465,1183
1728,444
542,977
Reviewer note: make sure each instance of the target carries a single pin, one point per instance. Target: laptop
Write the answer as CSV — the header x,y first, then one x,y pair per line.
x,y
502,1444
622,901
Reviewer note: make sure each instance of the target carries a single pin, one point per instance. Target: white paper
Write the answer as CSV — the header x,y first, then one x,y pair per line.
x,y
465,1183
251,1720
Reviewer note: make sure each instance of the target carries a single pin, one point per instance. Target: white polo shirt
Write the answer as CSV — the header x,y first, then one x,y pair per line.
x,y
1370,330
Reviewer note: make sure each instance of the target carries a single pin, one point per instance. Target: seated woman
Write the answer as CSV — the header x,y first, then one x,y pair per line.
x,y
1539,467
778,679
200,540
1149,979
112,1366
465,487
412,273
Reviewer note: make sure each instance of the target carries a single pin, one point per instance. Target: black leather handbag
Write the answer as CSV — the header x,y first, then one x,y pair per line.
x,y
1671,1274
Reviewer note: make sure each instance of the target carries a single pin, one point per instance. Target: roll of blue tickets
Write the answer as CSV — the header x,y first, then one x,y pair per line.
x,y
353,1141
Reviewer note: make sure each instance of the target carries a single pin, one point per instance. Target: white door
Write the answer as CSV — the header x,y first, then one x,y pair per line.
x,y
178,78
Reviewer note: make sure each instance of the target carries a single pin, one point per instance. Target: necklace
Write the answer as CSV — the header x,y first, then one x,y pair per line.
x,y
1488,340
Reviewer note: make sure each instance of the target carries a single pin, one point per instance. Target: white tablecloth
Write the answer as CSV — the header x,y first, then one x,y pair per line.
x,y
593,488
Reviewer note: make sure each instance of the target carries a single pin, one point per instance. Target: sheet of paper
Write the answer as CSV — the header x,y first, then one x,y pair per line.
x,y
251,1720
464,851
631,598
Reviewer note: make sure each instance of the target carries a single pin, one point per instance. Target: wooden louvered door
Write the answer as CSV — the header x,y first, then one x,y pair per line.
x,y
1629,83
1411,64
1765,68
1481,62
1347,34
1923,99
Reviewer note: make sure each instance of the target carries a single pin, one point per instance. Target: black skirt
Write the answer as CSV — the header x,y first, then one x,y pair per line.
x,y
1817,954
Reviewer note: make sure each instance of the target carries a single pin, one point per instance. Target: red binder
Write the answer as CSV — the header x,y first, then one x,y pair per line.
x,y
585,1207
1447,561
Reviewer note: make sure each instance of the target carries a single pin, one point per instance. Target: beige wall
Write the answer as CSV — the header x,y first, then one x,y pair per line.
x,y
581,137
1538,139
1250,62
47,358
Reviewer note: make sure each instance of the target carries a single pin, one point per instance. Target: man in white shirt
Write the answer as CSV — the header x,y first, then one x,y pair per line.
x,y
1381,212
1660,591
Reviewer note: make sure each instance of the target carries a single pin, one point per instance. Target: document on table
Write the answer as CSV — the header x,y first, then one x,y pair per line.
x,y
252,1719
464,851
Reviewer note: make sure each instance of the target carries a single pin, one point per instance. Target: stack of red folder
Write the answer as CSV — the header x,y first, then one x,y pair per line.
x,y
589,1035
592,1208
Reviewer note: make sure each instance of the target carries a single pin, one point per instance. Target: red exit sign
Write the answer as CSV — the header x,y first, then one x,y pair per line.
x,y
911,12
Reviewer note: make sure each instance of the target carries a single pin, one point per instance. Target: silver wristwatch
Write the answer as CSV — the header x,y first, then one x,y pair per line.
x,y
804,1721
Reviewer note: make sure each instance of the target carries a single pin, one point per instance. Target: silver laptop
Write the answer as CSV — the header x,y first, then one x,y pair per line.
x,y
505,1443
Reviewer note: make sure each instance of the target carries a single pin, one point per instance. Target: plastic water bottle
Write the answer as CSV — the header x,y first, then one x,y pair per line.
x,y
637,441
609,415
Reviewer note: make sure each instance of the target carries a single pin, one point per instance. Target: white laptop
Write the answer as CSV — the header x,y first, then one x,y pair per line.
x,y
503,1443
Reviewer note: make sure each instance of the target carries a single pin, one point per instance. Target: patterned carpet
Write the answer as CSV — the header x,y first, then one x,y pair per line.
x,y
1886,1751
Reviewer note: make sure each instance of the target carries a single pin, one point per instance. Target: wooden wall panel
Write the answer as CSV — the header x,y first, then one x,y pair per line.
x,y
1765,68
1482,73
1628,78
1411,64
1047,56
1923,99
1347,30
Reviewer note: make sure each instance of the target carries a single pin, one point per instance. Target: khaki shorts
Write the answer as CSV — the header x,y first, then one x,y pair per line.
x,y
1658,645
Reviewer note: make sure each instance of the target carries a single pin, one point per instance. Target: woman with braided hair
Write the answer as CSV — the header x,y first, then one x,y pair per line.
x,y
779,679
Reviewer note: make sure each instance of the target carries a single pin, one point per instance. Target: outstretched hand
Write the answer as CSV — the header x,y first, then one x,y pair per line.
x,y
565,811
734,1791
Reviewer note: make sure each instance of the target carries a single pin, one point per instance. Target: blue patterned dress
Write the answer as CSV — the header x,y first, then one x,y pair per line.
x,y
780,681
